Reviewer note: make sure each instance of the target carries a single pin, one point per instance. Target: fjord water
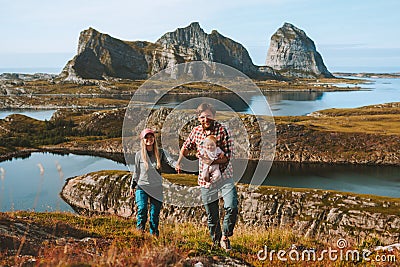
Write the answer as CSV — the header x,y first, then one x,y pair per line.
x,y
378,91
360,179
26,185
33,113
292,103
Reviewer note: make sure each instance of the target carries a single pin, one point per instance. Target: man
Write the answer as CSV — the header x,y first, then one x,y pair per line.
x,y
224,185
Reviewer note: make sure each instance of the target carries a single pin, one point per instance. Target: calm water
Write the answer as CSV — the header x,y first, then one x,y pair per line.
x,y
378,91
24,187
36,114
281,103
374,180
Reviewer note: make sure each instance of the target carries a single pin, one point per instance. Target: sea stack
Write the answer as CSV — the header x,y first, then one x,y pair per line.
x,y
293,54
101,56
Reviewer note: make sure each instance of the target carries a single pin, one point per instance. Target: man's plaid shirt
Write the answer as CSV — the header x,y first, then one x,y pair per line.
x,y
196,138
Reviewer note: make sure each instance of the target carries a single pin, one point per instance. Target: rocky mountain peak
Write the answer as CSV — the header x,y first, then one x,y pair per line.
x,y
290,27
195,25
192,36
293,53
101,56
88,37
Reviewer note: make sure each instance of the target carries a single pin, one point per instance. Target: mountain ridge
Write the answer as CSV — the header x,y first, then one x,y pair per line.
x,y
101,56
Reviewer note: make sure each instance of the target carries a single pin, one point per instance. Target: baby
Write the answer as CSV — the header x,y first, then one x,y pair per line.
x,y
211,152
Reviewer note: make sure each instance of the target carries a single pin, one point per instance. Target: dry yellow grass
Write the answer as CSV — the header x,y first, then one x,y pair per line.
x,y
380,119
114,241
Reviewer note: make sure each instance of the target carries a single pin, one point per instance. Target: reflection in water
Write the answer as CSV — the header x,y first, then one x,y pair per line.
x,y
256,102
234,101
375,180
25,186
300,103
276,97
282,103
34,182
172,100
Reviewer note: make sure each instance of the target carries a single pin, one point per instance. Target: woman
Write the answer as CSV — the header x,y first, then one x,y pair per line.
x,y
147,176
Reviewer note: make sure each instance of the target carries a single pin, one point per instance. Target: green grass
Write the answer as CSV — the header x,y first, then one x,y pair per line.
x,y
181,179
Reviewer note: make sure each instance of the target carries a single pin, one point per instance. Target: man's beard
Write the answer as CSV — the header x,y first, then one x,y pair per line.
x,y
209,125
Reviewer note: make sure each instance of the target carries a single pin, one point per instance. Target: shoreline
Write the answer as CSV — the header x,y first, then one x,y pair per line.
x,y
348,136
119,157
375,75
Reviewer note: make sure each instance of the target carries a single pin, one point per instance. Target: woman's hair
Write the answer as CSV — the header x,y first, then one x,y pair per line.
x,y
145,158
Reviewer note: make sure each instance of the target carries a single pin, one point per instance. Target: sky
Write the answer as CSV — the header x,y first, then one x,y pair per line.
x,y
351,35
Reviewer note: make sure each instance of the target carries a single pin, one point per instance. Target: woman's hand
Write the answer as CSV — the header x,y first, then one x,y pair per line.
x,y
131,192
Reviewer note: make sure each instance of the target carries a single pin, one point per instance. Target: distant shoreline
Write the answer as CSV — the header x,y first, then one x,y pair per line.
x,y
31,71
367,74
57,71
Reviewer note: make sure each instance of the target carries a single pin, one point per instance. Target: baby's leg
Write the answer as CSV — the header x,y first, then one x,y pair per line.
x,y
215,173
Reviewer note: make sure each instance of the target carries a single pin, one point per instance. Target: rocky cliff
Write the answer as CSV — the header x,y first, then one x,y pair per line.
x,y
101,56
315,213
293,53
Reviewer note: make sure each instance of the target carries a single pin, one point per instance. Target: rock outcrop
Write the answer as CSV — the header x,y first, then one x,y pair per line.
x,y
315,213
101,56
293,53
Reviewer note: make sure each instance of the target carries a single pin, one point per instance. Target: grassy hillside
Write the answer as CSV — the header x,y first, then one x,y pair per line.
x,y
49,239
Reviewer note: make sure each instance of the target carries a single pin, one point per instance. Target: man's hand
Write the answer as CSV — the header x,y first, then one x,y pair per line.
x,y
207,161
178,167
182,153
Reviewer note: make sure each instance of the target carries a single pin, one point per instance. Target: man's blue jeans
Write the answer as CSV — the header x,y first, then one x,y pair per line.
x,y
142,199
210,201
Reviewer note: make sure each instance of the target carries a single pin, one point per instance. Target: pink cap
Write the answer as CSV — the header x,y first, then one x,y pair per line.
x,y
146,131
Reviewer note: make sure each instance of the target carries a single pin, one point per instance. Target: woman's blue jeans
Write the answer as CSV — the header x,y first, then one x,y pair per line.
x,y
142,199
211,203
